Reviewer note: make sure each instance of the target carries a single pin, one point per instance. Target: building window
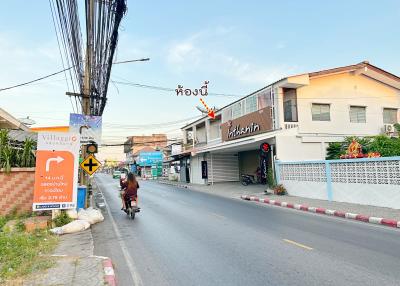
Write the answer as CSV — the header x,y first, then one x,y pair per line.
x,y
251,104
237,110
389,115
357,114
321,112
290,110
226,114
263,99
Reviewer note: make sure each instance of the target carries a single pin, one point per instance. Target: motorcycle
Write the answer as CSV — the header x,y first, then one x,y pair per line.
x,y
248,180
131,207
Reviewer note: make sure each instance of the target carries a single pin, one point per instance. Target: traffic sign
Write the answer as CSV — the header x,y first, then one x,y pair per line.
x,y
90,165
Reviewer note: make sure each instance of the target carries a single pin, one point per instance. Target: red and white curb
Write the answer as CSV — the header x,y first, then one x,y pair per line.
x,y
109,274
359,217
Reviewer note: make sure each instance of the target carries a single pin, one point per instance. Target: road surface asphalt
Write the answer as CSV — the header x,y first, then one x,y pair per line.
x,y
184,237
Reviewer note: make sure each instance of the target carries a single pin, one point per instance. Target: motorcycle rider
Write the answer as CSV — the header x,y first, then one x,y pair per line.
x,y
130,190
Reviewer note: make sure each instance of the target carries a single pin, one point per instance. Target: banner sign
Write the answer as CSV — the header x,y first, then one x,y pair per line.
x,y
149,158
89,127
204,170
56,174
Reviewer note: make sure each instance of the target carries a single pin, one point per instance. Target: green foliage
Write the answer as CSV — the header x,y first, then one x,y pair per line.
x,y
20,226
20,253
11,156
271,179
27,158
383,144
280,190
3,221
397,127
62,219
334,150
386,146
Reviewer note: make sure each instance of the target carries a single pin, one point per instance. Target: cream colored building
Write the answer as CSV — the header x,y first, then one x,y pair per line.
x,y
298,115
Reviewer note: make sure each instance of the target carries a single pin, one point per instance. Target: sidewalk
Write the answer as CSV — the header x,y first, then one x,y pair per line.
x,y
237,190
74,264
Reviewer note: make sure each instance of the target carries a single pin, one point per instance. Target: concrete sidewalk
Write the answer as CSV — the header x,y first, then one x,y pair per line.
x,y
236,190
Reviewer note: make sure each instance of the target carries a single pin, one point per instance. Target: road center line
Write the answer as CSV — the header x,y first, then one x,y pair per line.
x,y
128,258
298,244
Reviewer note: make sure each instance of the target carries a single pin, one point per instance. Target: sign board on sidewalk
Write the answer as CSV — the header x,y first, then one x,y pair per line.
x,y
204,170
56,174
89,127
90,165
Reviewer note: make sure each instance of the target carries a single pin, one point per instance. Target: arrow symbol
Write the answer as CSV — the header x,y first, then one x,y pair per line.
x,y
211,112
58,160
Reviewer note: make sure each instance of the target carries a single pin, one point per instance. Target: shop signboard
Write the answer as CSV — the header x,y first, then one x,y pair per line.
x,y
88,126
56,174
149,158
251,124
204,170
176,149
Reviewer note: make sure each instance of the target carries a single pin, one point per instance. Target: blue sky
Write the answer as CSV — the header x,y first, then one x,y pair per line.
x,y
239,47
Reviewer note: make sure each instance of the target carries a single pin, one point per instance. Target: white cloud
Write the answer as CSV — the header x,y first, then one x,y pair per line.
x,y
198,53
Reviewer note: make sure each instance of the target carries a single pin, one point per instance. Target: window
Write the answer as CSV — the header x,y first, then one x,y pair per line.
x,y
237,110
251,104
226,114
320,112
290,110
263,99
389,115
357,114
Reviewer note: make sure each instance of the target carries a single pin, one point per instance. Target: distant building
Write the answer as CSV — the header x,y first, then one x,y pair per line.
x,y
142,143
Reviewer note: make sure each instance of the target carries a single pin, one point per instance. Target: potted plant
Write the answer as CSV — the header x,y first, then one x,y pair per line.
x,y
280,190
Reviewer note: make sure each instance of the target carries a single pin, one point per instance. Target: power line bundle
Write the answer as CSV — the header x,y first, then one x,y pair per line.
x,y
103,18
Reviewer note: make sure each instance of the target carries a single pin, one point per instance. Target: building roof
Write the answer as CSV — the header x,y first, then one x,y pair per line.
x,y
349,68
51,129
8,121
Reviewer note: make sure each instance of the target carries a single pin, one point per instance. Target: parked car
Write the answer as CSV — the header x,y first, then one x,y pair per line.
x,y
117,175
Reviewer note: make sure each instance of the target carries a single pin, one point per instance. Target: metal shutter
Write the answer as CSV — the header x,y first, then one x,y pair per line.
x,y
223,167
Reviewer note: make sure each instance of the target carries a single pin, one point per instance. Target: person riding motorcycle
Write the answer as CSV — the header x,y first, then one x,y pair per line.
x,y
131,187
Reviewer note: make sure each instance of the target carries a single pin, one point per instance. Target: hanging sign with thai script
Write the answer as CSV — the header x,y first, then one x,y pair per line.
x,y
253,123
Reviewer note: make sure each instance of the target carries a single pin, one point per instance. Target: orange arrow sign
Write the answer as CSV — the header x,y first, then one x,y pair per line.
x,y
211,112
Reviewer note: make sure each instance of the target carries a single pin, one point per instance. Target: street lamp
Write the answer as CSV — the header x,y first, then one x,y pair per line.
x,y
131,61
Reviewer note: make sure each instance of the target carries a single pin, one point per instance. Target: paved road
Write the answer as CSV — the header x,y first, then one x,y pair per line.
x,y
186,238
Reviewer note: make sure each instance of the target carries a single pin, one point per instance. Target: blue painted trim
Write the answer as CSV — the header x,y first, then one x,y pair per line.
x,y
328,181
277,173
380,159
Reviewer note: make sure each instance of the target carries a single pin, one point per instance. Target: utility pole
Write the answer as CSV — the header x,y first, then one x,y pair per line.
x,y
87,77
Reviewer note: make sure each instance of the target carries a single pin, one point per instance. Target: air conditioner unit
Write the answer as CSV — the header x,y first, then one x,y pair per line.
x,y
389,128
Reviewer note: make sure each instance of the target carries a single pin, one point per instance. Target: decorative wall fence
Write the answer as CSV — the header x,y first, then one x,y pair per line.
x,y
16,190
372,181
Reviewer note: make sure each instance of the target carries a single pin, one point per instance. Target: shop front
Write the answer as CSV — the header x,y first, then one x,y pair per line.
x,y
239,151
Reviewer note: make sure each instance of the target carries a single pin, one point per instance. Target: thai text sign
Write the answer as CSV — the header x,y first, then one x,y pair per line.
x,y
89,127
253,123
56,172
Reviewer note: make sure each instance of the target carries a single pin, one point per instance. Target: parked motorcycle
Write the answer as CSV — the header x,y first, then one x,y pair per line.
x,y
248,180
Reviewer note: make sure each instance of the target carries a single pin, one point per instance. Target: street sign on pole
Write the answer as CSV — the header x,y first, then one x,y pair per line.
x,y
90,165
56,173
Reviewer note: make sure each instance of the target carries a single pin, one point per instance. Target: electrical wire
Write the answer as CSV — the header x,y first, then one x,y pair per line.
x,y
139,85
35,80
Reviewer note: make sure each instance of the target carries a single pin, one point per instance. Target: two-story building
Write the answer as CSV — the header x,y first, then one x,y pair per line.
x,y
297,115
